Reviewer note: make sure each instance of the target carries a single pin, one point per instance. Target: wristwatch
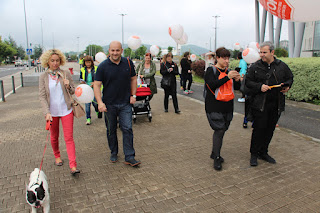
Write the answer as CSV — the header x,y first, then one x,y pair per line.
x,y
134,96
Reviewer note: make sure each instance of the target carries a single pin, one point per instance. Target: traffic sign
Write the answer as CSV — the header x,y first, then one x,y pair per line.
x,y
29,51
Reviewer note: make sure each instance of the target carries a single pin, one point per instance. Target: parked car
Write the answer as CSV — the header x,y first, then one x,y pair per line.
x,y
18,63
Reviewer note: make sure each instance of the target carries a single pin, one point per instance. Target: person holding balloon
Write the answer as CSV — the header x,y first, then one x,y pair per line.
x,y
87,74
186,73
267,80
220,82
169,70
146,70
54,86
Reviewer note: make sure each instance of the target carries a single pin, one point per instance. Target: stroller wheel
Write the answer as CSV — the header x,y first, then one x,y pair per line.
x,y
150,118
134,120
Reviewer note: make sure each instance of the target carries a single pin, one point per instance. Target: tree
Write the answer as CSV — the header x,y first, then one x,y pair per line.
x,y
170,49
93,49
37,52
128,53
140,52
21,53
6,50
280,52
160,51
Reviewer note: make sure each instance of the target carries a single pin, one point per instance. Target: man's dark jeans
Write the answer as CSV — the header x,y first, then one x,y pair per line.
x,y
124,112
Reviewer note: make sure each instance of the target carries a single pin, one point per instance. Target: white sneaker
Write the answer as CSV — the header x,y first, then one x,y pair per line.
x,y
241,100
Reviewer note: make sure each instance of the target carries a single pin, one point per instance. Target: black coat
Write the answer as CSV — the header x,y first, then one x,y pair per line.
x,y
261,73
171,75
185,66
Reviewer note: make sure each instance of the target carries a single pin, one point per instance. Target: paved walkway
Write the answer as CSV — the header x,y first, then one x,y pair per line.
x,y
176,174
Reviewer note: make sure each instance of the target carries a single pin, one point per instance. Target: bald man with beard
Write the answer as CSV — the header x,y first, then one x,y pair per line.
x,y
119,80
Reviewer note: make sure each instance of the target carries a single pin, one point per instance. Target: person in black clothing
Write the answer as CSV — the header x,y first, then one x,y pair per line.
x,y
169,70
267,80
186,73
219,113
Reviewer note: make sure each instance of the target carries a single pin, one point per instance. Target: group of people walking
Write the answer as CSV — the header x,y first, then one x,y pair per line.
x,y
116,78
266,82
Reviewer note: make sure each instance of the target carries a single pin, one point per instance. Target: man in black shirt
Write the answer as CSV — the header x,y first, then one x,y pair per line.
x,y
267,80
119,81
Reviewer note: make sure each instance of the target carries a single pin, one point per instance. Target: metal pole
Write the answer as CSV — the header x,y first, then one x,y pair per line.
x,y
21,75
215,32
271,34
257,21
291,38
2,91
122,31
278,32
41,33
78,48
299,38
52,40
13,86
263,25
25,18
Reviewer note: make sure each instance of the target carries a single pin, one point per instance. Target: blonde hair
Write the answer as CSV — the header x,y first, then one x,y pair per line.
x,y
45,57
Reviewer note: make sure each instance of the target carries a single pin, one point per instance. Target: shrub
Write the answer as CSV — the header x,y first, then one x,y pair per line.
x,y
306,84
198,67
280,52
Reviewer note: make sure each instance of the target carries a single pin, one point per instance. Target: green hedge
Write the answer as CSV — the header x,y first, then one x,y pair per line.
x,y
306,71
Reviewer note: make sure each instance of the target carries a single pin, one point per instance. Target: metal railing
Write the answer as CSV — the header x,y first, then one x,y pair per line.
x,y
13,91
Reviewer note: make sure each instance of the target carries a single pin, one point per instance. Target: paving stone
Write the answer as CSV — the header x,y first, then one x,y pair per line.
x,y
164,182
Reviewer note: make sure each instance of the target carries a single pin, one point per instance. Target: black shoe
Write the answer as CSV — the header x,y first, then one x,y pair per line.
x,y
114,158
132,162
177,111
221,158
165,110
217,163
253,160
268,158
245,125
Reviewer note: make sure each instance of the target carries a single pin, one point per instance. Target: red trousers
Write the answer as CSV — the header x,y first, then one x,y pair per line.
x,y
67,125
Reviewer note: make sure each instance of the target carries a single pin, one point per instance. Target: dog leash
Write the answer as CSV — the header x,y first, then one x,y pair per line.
x,y
48,127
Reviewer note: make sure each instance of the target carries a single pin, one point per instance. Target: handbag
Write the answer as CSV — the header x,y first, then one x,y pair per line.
x,y
77,108
165,83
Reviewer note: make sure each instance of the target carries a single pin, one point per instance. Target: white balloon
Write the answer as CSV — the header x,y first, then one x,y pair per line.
x,y
254,45
100,57
183,40
154,50
293,10
236,46
84,93
193,57
176,31
134,42
250,55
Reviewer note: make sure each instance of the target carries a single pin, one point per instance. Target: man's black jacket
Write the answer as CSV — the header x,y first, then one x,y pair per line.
x,y
261,73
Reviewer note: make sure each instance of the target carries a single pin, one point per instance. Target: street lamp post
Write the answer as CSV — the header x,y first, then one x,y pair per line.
x,y
41,33
78,48
25,18
215,32
122,15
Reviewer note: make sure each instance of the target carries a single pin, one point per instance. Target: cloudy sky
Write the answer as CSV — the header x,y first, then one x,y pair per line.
x,y
98,21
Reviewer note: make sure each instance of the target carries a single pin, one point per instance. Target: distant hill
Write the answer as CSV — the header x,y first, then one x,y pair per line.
x,y
194,49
